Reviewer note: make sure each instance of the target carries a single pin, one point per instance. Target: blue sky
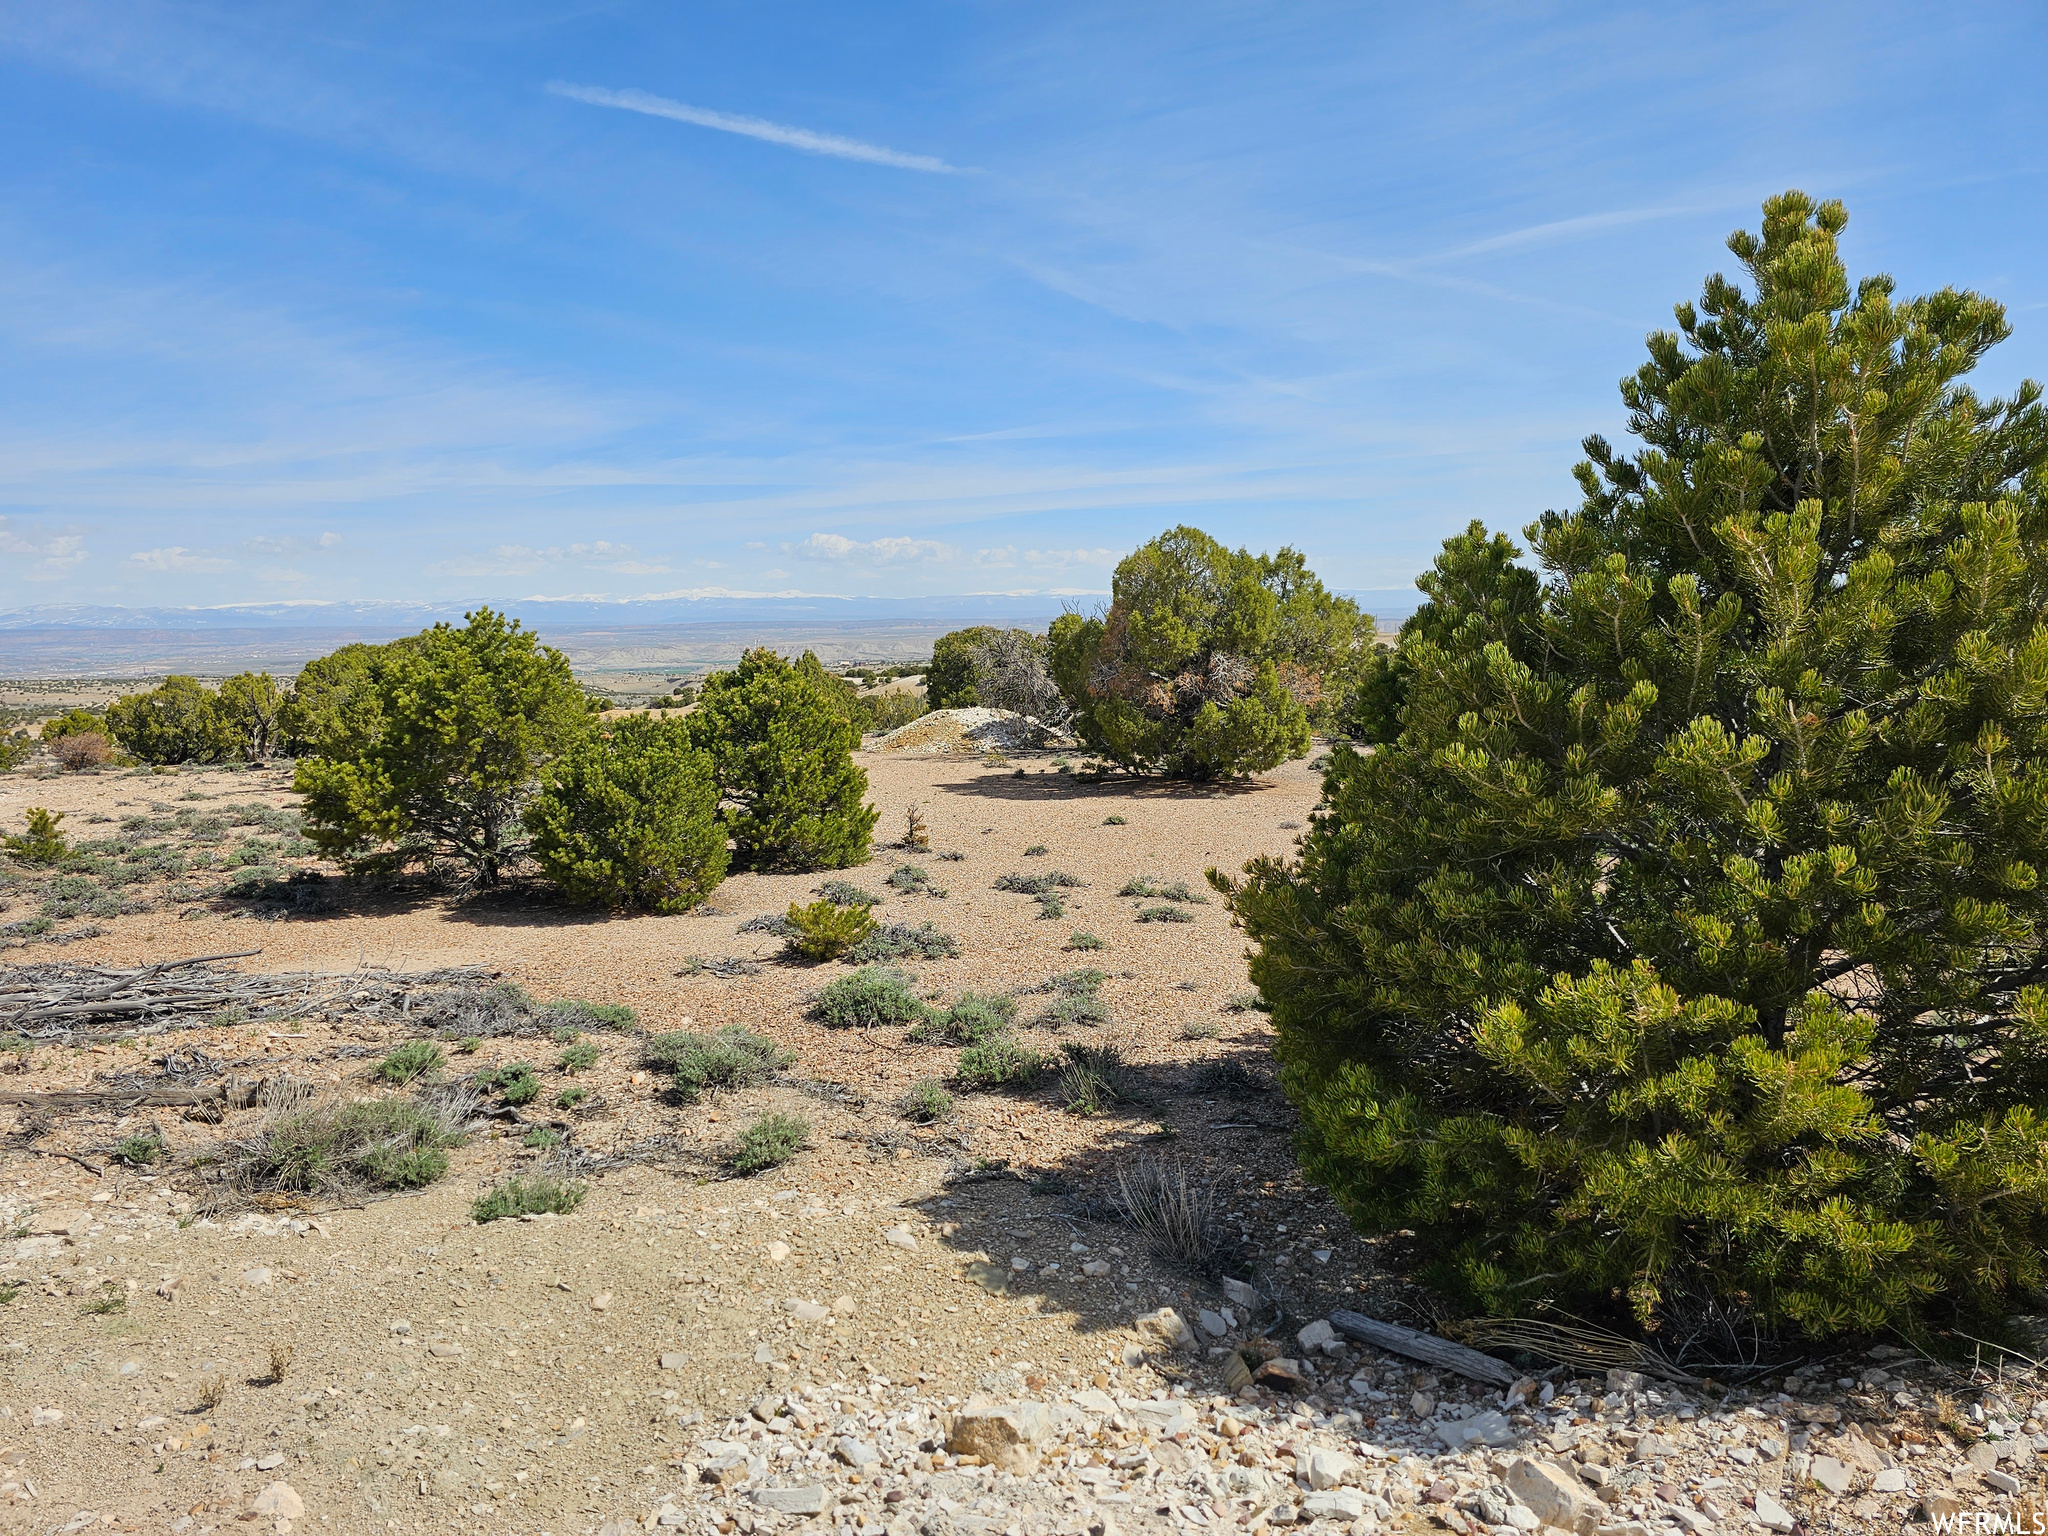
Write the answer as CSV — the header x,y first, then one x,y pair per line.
x,y
457,302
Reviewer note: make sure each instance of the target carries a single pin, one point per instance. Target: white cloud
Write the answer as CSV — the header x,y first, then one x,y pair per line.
x,y
176,557
890,551
329,540
38,555
805,139
1061,558
286,578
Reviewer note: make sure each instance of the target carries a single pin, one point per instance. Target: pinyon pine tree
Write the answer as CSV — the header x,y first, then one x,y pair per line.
x,y
782,745
1679,948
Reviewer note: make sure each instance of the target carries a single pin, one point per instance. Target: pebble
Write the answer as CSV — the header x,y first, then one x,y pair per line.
x,y
777,1252
601,1302
278,1501
900,1236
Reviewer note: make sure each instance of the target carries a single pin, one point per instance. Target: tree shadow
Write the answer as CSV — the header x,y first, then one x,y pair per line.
x,y
1046,786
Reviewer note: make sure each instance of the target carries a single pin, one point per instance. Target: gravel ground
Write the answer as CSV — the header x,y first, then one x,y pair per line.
x,y
801,1349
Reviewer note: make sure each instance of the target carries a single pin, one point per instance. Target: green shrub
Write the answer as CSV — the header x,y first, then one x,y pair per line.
x,y
527,1194
333,709
973,1016
1080,940
569,1098
578,1058
1077,1000
180,721
142,1149
541,1138
467,719
1162,890
912,879
629,820
74,722
844,893
950,682
514,1082
1114,821
1000,1061
468,1045
822,931
927,1103
15,749
770,1142
1050,907
782,747
1036,851
415,1058
43,843
890,711
1208,662
1164,915
898,941
1676,950
1201,1029
565,1034
732,1058
872,995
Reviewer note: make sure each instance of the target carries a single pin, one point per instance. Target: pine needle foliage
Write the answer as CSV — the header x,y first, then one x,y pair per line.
x,y
1681,942
783,748
629,819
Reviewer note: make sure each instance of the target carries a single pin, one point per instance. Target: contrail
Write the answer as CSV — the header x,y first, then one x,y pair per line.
x,y
751,127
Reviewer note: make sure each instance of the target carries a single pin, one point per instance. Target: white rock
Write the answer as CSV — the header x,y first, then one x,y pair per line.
x,y
791,1501
1165,1327
1003,1435
1523,1518
279,1501
674,1360
43,1416
1771,1512
777,1252
271,1462
1831,1474
1890,1480
400,1326
1212,1323
257,1276
856,1453
444,1351
1554,1498
1488,1428
1095,1267
900,1236
1317,1335
1244,1295
806,1311
601,1302
1421,1404
2004,1482
1330,1469
1334,1504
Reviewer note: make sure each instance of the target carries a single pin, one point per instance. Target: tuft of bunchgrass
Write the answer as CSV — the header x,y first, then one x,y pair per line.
x,y
1036,851
1114,821
913,879
729,1059
1201,1029
1172,1209
973,1016
541,1137
1050,907
1079,940
1164,915
1000,1061
330,1145
927,1103
1094,1078
1077,1000
870,996
412,1060
527,1194
578,1058
1037,885
770,1142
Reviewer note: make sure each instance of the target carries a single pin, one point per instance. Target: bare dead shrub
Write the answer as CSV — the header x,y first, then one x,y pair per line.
x,y
87,749
1011,672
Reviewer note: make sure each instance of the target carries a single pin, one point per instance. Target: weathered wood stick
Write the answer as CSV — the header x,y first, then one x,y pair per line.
x,y
239,1093
1426,1347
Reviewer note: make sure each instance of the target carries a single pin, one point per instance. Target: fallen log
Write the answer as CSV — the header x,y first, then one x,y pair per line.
x,y
233,1093
1426,1347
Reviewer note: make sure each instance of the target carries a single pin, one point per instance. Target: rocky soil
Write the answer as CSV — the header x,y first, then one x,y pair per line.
x,y
907,1328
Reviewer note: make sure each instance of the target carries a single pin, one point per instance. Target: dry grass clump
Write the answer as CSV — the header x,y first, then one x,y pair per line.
x,y
211,1390
1155,887
973,1016
280,1362
527,1194
1094,1078
328,1145
899,941
1173,1210
86,749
